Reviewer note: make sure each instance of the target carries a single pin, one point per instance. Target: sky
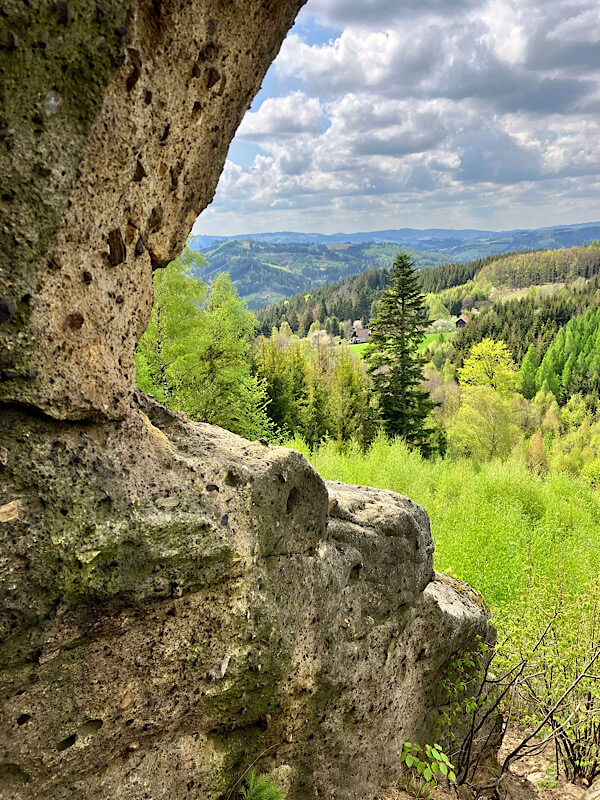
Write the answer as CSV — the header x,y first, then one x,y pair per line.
x,y
421,113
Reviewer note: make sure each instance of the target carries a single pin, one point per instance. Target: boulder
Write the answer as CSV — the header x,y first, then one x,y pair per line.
x,y
178,601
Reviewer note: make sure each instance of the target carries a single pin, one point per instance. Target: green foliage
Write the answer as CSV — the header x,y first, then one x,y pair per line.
x,y
546,266
395,363
489,364
530,320
461,685
437,310
590,473
261,787
353,297
516,537
435,279
484,426
526,377
174,324
196,354
316,389
572,362
427,766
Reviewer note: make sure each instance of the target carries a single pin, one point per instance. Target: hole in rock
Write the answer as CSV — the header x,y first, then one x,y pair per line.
x,y
355,572
90,727
23,718
293,500
233,478
75,321
66,743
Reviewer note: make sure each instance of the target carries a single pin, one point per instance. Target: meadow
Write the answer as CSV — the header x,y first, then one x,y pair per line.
x,y
428,339
530,545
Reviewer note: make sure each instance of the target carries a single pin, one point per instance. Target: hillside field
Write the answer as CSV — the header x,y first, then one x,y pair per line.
x,y
359,349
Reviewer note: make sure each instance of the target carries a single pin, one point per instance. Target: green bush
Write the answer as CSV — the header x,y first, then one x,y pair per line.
x,y
591,473
428,761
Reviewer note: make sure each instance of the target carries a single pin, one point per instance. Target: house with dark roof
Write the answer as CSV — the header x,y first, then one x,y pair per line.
x,y
360,336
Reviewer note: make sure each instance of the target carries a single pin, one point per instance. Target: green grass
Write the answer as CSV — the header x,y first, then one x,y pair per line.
x,y
359,349
519,539
434,337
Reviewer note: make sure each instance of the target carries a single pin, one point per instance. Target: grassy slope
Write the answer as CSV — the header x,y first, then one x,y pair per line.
x,y
516,537
359,349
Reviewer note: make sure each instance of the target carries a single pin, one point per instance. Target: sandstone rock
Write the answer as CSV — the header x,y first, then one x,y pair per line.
x,y
593,793
115,122
176,602
155,651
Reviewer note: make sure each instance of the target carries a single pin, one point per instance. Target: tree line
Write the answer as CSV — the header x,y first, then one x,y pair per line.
x,y
476,395
531,320
355,297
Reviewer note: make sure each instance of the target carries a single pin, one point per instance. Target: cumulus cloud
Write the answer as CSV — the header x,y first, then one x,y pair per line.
x,y
445,111
283,116
369,13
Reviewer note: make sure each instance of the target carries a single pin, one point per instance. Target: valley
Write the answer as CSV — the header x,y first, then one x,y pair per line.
x,y
266,268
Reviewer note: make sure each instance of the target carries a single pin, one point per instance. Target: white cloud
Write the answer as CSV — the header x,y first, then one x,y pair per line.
x,y
424,111
283,116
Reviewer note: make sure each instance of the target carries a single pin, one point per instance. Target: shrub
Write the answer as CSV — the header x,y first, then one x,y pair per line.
x,y
426,767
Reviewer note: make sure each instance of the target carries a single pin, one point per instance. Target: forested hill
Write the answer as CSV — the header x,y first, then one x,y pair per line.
x,y
263,273
270,267
450,288
351,298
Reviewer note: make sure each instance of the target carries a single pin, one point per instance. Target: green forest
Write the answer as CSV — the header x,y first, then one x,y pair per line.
x,y
264,272
268,268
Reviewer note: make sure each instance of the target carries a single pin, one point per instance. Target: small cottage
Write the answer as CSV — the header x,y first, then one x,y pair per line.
x,y
360,336
461,321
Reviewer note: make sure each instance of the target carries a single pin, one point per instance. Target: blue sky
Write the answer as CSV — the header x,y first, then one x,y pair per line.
x,y
421,113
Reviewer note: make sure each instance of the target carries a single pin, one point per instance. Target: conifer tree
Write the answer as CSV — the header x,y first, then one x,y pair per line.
x,y
527,372
395,363
196,354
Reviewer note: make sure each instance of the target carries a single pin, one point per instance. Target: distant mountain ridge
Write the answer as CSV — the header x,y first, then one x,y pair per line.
x,y
391,236
269,267
416,238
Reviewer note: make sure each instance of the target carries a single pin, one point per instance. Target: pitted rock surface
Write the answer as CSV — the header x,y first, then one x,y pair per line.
x,y
177,600
115,121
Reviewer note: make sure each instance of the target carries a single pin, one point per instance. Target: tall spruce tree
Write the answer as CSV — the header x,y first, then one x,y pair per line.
x,y
395,363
